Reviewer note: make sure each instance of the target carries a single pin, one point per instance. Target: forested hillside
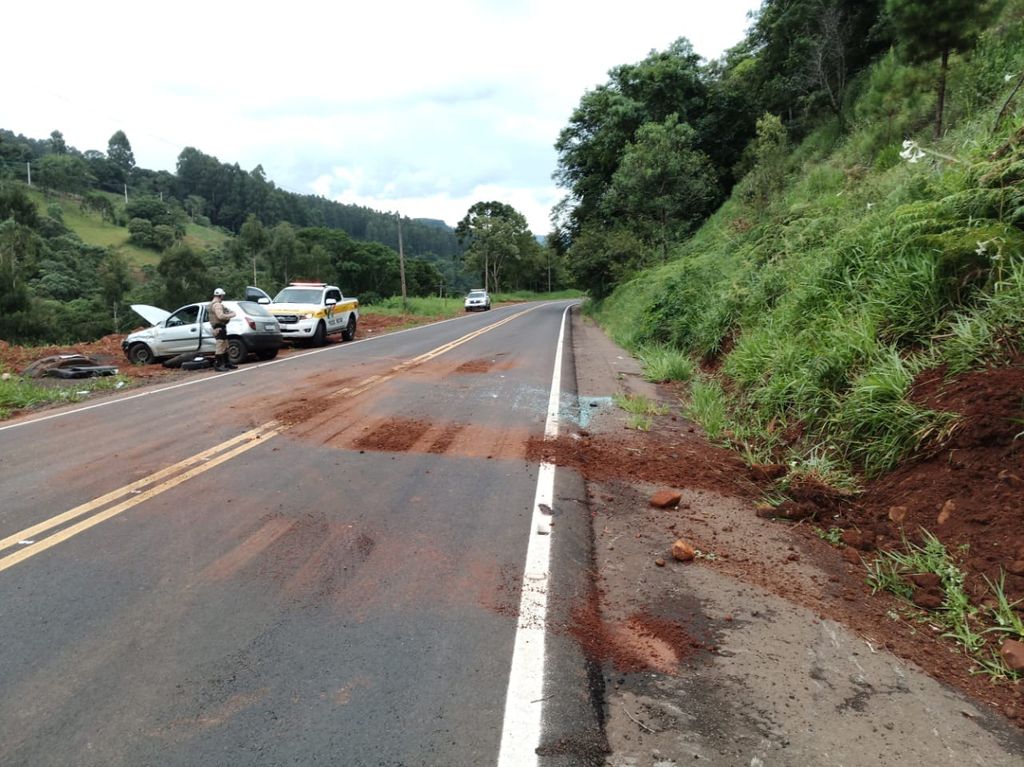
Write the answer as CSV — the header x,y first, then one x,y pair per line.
x,y
216,193
85,234
834,207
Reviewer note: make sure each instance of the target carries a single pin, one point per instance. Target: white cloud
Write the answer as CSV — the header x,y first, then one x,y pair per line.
x,y
396,104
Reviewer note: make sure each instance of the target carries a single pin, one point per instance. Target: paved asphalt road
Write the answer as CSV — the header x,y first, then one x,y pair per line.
x,y
315,561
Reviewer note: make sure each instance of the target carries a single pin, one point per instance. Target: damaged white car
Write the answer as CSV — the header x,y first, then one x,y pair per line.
x,y
253,330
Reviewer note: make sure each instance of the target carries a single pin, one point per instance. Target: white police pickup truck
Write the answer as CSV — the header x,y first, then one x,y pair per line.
x,y
311,311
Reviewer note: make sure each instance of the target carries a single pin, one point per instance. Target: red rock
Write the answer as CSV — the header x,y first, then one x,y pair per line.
x,y
948,508
768,472
659,562
765,510
897,514
852,538
666,498
1016,568
929,600
1012,653
926,580
683,551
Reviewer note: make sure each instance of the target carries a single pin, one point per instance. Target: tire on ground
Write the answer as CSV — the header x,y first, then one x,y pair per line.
x,y
237,350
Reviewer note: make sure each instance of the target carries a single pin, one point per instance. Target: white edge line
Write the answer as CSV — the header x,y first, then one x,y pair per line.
x,y
524,707
283,360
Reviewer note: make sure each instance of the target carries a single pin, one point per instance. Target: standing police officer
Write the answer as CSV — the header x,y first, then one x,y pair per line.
x,y
219,316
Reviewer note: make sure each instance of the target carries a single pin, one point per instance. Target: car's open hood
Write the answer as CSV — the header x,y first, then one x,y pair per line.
x,y
151,314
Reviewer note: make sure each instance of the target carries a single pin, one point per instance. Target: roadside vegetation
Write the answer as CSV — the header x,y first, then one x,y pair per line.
x,y
979,631
845,264
17,393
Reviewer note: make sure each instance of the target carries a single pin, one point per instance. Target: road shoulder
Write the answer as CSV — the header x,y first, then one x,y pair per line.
x,y
735,658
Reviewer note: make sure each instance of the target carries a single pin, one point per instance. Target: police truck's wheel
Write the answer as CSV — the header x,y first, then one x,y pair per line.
x,y
237,351
320,335
350,329
140,354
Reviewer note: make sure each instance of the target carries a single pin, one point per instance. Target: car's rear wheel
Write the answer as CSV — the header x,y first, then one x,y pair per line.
x,y
319,335
350,329
237,351
140,354
266,354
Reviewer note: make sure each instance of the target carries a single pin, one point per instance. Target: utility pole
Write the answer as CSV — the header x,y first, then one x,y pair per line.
x,y
28,169
401,265
126,194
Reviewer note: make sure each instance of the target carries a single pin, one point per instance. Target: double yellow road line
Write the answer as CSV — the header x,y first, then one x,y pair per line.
x,y
124,498
133,494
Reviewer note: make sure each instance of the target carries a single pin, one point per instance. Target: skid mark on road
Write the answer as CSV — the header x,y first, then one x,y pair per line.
x,y
238,557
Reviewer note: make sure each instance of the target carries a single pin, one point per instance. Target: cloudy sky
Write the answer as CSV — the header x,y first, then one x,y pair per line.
x,y
416,107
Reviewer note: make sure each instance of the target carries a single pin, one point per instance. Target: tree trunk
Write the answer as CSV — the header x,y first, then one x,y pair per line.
x,y
940,108
664,238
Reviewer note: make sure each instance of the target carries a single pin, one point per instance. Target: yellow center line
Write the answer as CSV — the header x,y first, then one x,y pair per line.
x,y
190,467
30,532
12,559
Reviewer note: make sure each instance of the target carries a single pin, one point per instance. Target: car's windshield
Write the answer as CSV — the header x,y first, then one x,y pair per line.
x,y
478,294
299,296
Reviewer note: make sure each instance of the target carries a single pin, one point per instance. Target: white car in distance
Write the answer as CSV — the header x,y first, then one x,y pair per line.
x,y
478,300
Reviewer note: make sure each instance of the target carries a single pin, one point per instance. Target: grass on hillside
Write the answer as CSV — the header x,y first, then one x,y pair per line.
x,y
821,306
979,631
94,230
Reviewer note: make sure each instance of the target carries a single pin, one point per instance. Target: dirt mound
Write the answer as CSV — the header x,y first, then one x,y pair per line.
x,y
969,492
679,459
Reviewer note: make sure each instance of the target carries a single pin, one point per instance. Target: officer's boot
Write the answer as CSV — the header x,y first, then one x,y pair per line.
x,y
218,363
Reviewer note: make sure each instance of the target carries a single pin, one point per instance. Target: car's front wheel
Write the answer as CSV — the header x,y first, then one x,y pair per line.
x,y
140,354
350,329
237,351
319,335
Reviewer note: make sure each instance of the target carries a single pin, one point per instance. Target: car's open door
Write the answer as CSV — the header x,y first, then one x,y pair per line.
x,y
255,294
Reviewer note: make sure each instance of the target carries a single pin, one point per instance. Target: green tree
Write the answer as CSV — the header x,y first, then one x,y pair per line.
x,y
281,252
805,51
930,29
99,203
608,117
770,153
15,204
599,259
119,152
115,281
64,173
492,233
19,248
57,143
184,274
663,187
253,242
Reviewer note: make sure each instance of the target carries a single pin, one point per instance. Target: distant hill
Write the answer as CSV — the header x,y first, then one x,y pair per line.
x,y
219,193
